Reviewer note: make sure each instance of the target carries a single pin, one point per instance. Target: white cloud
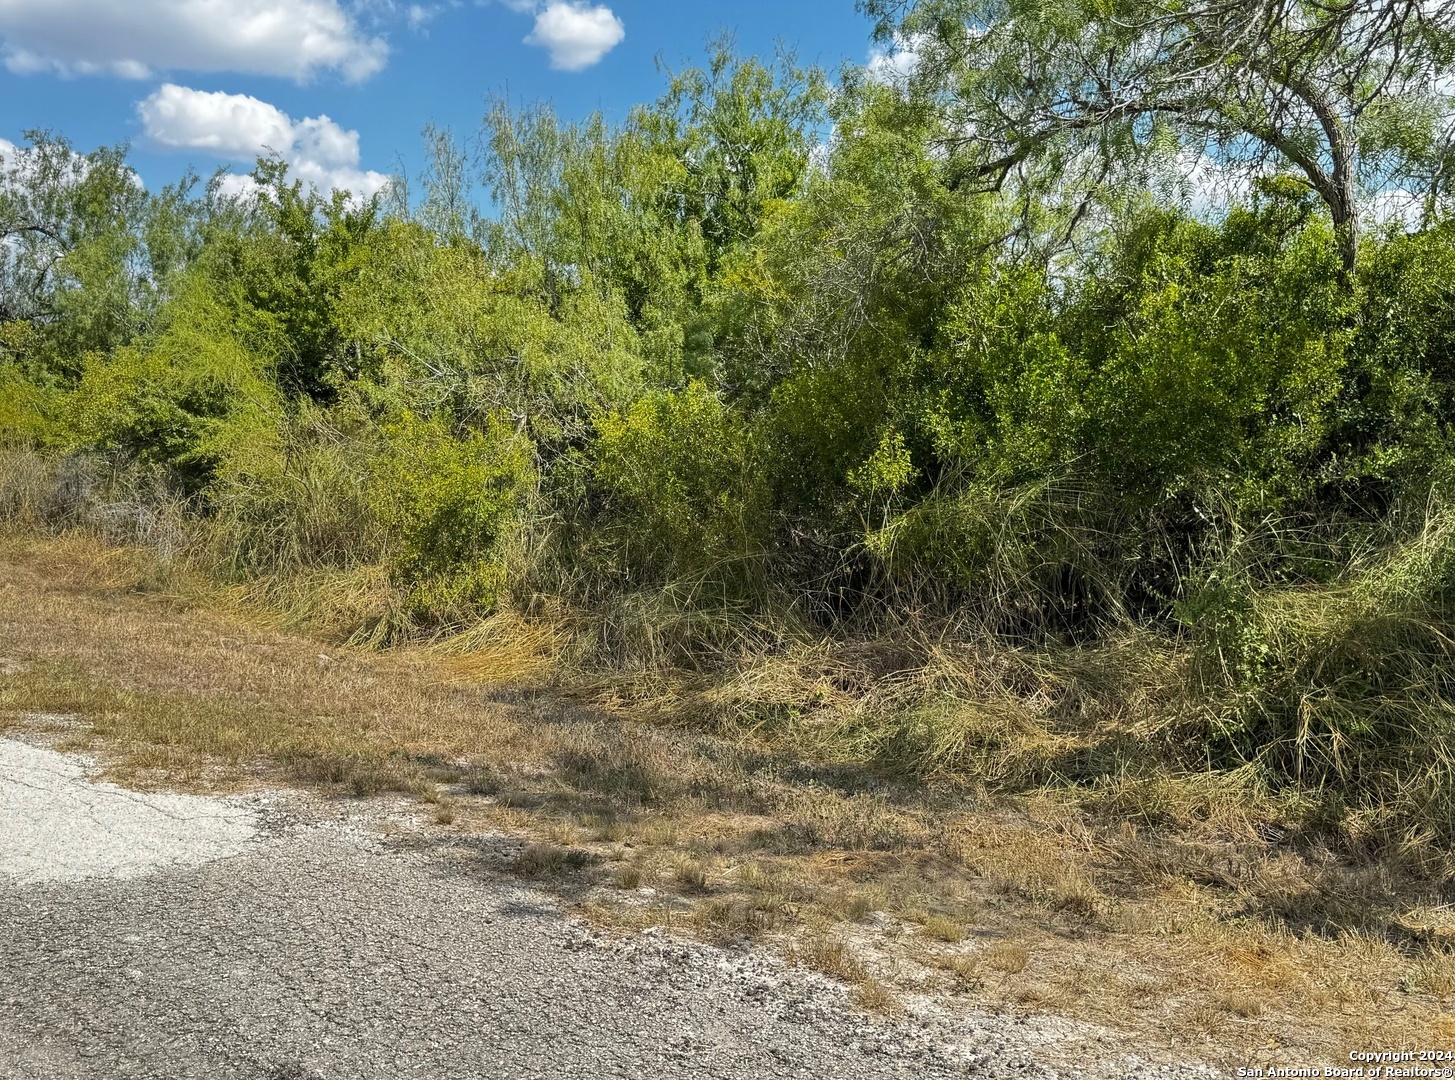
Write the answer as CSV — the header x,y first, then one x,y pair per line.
x,y
576,35
895,66
228,125
242,128
289,38
418,16
897,63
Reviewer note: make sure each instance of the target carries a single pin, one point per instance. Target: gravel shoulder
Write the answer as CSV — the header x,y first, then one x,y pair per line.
x,y
277,936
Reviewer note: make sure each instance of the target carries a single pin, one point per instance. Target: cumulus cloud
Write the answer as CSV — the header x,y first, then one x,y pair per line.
x,y
290,38
895,65
575,34
242,128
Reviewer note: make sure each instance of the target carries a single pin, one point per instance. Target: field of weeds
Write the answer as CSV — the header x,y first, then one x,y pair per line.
x,y
1188,910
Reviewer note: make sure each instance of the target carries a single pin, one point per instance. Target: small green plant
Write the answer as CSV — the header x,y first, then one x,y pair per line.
x,y
684,468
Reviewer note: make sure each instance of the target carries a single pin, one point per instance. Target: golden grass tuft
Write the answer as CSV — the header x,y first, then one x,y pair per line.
x,y
872,996
943,928
1008,957
831,957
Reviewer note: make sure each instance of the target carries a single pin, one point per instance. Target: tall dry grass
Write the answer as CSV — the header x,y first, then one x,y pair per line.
x,y
1331,703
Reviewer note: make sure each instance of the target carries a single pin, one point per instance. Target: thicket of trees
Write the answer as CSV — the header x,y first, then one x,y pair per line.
x,y
838,358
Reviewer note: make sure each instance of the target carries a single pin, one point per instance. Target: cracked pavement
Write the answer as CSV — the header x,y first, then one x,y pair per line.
x,y
274,937
59,827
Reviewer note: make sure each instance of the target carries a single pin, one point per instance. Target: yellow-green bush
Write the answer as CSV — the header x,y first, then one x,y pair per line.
x,y
683,469
447,500
193,400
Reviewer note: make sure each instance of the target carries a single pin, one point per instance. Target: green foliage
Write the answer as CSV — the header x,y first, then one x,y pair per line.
x,y
432,322
289,271
302,504
1010,401
26,403
1071,104
684,468
1396,413
193,400
742,131
447,501
1216,354
72,232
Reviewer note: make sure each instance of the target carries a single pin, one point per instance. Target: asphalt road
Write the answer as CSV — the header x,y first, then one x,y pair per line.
x,y
268,938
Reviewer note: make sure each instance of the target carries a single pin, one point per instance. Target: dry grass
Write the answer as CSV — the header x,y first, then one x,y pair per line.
x,y
832,958
543,860
942,928
1007,957
874,997
964,970
1183,910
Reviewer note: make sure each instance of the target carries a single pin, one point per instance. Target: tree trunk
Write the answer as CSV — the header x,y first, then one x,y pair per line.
x,y
1346,233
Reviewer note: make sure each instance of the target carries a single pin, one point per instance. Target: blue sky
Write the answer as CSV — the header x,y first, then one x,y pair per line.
x,y
209,82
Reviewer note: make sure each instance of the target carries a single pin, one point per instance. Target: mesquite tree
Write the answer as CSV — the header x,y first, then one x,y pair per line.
x,y
1351,96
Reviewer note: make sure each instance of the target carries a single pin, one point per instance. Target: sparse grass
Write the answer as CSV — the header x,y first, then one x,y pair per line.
x,y
831,957
731,919
964,969
690,876
1100,899
943,928
543,860
874,997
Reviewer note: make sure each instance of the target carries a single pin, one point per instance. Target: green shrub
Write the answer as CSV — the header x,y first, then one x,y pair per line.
x,y
25,408
1215,355
682,468
447,499
1398,406
189,401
